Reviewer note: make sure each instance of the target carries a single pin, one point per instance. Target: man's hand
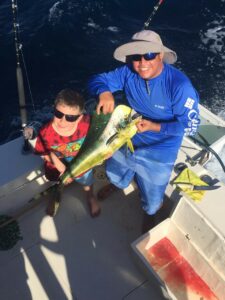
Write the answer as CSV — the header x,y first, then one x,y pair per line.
x,y
146,125
106,103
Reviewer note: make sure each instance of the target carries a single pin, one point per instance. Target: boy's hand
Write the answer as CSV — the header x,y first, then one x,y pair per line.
x,y
68,181
28,133
31,130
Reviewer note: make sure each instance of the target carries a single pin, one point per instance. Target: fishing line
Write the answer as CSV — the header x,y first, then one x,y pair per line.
x,y
156,7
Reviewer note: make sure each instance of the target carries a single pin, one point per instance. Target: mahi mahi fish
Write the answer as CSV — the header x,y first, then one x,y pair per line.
x,y
106,135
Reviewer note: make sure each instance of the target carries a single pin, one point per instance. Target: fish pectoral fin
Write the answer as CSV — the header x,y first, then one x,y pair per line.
x,y
130,145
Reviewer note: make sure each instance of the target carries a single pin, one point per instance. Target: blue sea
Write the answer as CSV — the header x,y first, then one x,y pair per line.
x,y
64,42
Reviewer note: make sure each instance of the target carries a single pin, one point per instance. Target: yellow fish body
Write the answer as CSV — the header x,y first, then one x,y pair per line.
x,y
106,135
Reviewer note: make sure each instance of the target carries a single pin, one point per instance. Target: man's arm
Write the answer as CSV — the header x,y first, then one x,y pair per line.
x,y
186,115
103,85
186,112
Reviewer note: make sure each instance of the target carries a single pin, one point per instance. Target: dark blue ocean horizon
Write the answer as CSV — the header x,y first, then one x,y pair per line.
x,y
67,41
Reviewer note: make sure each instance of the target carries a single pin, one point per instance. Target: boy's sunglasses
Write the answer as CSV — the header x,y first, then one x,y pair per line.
x,y
69,118
147,56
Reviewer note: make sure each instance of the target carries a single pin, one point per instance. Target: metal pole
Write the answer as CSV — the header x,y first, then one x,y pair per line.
x,y
19,74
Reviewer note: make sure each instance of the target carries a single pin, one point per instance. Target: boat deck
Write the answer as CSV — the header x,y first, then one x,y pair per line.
x,y
73,256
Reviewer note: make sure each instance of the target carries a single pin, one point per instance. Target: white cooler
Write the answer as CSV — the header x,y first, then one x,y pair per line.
x,y
185,254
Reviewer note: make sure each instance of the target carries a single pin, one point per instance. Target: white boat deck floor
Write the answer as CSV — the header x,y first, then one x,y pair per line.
x,y
73,256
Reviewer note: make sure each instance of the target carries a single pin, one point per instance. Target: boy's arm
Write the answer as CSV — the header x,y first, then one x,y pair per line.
x,y
42,148
31,130
52,158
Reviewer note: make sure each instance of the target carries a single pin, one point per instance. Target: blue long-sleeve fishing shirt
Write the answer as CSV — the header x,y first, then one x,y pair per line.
x,y
169,99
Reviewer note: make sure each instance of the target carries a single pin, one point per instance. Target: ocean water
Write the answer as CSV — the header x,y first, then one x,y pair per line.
x,y
67,41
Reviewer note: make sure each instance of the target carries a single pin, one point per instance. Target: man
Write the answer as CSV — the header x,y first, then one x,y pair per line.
x,y
168,103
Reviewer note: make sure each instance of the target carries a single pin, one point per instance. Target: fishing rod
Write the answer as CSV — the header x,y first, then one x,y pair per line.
x,y
19,74
156,7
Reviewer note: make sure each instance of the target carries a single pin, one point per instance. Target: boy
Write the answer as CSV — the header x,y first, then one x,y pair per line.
x,y
60,140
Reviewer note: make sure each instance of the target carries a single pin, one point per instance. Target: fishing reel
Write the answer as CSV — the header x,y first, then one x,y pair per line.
x,y
30,132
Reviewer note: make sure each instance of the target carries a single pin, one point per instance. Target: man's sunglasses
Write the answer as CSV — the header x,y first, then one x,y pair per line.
x,y
69,118
147,56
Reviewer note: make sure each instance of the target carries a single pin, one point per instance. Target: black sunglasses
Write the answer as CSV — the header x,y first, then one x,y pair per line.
x,y
147,56
69,118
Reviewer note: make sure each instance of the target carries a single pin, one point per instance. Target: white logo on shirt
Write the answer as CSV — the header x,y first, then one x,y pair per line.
x,y
189,103
193,123
159,106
